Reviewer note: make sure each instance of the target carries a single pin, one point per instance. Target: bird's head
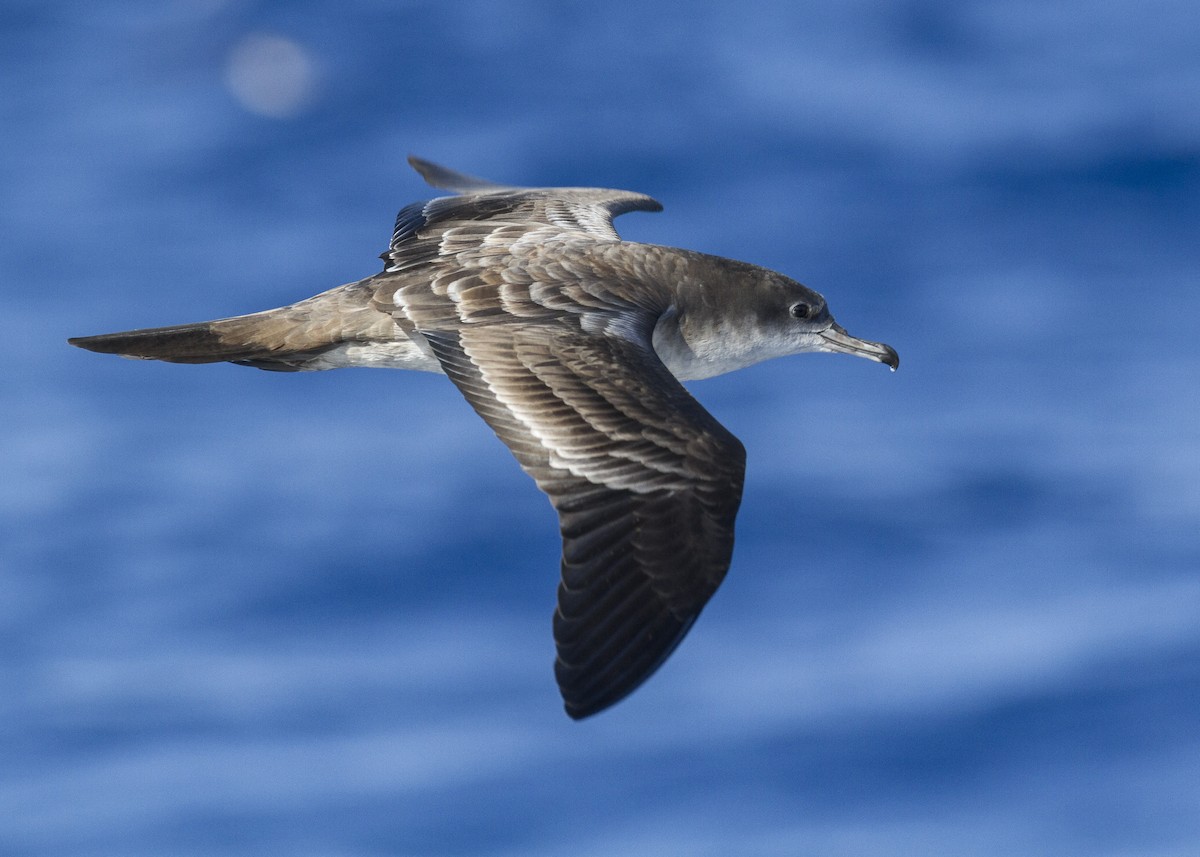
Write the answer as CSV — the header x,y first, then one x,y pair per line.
x,y
796,319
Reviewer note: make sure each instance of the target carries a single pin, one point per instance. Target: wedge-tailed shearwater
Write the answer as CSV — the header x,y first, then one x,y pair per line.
x,y
571,344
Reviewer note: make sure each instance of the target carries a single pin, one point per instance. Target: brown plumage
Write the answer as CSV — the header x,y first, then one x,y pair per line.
x,y
571,344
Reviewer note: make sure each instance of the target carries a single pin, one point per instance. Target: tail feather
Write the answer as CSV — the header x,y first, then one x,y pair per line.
x,y
205,342
283,339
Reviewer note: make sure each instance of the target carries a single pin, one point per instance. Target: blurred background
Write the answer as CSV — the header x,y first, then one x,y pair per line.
x,y
250,613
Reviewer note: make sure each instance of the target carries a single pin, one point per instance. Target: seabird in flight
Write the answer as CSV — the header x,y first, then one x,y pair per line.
x,y
571,344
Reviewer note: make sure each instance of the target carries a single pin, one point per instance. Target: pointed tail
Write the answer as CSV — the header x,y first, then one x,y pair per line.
x,y
231,339
283,339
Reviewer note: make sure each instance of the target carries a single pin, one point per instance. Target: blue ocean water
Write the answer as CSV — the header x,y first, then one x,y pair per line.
x,y
249,613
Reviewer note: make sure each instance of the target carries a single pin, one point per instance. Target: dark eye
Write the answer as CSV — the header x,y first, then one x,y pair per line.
x,y
801,310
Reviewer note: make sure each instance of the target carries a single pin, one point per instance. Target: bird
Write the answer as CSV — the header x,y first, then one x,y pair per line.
x,y
572,345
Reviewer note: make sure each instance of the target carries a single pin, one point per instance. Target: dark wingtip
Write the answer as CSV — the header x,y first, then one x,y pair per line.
x,y
447,179
578,714
421,165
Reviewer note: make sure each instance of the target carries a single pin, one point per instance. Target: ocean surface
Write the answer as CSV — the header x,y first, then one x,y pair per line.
x,y
245,613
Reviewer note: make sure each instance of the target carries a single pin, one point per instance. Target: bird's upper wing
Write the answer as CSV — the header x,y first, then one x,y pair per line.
x,y
646,484
589,210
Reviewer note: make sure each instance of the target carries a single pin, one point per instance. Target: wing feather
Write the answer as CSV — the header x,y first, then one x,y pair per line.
x,y
645,481
588,210
543,319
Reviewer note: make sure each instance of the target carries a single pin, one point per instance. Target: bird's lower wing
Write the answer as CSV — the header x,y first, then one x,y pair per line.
x,y
646,484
